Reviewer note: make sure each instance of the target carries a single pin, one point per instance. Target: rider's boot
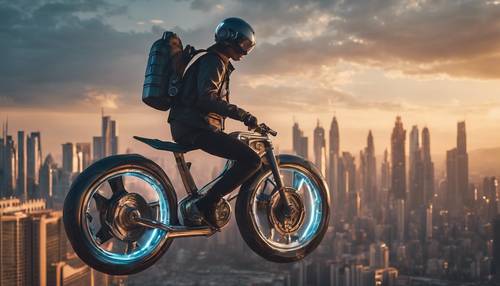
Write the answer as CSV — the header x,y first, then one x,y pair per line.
x,y
215,214
192,214
197,214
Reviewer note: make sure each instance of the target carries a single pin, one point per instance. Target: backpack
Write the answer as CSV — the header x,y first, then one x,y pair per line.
x,y
166,65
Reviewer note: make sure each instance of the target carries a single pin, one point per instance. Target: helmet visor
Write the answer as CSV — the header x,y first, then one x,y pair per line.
x,y
246,46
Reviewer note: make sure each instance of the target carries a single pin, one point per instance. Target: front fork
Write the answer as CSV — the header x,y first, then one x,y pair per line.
x,y
273,163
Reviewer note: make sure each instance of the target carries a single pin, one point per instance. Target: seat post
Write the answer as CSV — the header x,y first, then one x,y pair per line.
x,y
187,178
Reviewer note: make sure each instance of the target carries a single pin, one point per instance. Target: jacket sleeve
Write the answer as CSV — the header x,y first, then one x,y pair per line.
x,y
210,78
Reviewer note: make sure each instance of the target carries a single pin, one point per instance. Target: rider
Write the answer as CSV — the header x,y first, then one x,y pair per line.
x,y
197,118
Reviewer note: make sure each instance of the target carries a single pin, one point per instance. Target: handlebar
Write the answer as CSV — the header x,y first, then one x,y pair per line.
x,y
264,130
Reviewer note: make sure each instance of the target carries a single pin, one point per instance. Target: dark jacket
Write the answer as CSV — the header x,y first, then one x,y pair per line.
x,y
203,103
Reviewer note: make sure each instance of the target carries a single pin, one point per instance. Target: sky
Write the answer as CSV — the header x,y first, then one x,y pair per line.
x,y
432,62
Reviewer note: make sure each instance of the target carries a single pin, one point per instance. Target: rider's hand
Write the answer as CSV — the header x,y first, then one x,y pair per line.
x,y
250,121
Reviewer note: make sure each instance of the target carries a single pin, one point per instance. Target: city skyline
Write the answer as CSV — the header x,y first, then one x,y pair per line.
x,y
350,63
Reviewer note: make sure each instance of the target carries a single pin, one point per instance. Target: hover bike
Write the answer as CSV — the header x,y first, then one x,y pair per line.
x,y
121,213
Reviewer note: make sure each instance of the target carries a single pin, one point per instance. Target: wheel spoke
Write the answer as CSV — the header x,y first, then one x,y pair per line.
x,y
131,246
100,201
270,181
271,233
103,235
154,204
117,186
297,183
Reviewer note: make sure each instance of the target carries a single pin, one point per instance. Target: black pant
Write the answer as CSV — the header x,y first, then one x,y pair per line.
x,y
220,144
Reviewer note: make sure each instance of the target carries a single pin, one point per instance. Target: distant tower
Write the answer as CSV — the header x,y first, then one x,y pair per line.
x,y
398,160
370,171
428,167
299,142
347,184
490,185
84,150
106,144
416,171
9,175
463,166
333,157
385,173
21,166
70,160
34,163
319,147
457,174
46,179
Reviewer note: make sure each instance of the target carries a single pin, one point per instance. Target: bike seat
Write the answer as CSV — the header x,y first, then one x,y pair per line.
x,y
165,145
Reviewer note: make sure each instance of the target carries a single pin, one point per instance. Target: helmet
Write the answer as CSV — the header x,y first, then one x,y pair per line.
x,y
236,33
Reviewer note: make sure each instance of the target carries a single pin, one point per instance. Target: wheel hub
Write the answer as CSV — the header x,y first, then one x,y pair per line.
x,y
286,223
120,216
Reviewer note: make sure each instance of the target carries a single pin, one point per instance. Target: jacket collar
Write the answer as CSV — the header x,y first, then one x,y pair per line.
x,y
214,48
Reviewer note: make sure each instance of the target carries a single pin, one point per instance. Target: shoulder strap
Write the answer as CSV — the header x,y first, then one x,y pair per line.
x,y
196,55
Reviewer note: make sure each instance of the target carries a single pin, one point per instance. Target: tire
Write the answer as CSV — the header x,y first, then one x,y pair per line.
x,y
248,228
74,208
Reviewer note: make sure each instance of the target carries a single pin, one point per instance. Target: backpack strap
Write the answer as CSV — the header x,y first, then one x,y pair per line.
x,y
195,55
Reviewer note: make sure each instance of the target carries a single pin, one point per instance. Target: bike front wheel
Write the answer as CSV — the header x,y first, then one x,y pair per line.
x,y
98,213
266,228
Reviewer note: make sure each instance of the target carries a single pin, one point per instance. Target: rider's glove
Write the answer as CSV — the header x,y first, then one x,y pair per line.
x,y
250,121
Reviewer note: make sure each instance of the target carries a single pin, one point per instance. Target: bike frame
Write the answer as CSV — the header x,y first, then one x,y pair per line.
x,y
260,143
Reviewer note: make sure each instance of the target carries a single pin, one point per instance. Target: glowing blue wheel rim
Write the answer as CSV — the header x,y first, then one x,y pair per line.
x,y
300,180
151,240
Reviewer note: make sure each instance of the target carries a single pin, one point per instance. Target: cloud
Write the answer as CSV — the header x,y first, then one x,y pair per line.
x,y
50,55
101,98
52,52
457,38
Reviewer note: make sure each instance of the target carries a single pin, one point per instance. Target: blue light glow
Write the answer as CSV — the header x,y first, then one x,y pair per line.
x,y
151,238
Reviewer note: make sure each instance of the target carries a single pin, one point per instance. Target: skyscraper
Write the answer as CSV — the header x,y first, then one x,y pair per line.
x,y
70,160
299,141
453,199
21,166
16,243
47,179
97,148
347,196
9,163
370,171
428,167
319,147
106,144
457,174
490,185
34,162
333,157
416,183
463,166
398,160
85,157
385,173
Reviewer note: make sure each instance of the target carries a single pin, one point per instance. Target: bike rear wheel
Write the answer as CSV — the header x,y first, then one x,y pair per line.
x,y
98,215
259,213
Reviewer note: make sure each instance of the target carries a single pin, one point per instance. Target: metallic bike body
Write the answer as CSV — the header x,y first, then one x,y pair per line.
x,y
121,214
